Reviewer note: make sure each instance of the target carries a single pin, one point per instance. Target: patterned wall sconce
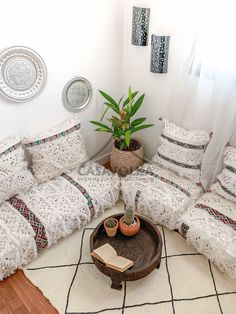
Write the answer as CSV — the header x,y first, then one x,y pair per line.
x,y
159,54
140,26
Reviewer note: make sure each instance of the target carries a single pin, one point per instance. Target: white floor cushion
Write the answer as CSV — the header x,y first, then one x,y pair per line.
x,y
17,244
210,227
45,213
159,194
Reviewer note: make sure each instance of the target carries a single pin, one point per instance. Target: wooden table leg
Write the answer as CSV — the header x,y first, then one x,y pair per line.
x,y
116,284
159,264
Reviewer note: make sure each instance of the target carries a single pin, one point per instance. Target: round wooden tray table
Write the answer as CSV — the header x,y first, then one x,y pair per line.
x,y
144,249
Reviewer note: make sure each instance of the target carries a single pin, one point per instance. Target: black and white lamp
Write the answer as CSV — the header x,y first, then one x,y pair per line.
x,y
140,26
159,53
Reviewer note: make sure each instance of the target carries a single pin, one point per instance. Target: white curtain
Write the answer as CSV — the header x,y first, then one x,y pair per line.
x,y
204,95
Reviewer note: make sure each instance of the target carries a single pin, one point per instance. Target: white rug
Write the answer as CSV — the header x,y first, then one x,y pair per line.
x,y
186,283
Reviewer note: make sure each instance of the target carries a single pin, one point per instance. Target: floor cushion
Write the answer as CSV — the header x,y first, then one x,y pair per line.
x,y
14,174
226,180
159,194
58,149
181,150
210,227
39,217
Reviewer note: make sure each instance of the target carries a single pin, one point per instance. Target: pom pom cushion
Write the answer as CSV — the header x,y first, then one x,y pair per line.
x,y
182,150
226,183
210,227
159,194
39,217
59,149
14,175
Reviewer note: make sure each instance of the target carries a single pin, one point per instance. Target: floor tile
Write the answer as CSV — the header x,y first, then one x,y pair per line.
x,y
148,289
163,308
223,282
55,283
90,291
200,306
175,243
228,303
190,276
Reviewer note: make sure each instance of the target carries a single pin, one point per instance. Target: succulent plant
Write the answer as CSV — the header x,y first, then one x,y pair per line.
x,y
129,215
111,223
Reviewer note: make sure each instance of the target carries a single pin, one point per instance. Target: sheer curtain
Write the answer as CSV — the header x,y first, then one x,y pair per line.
x,y
204,95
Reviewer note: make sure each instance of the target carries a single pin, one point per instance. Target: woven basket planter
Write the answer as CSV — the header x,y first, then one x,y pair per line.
x,y
124,162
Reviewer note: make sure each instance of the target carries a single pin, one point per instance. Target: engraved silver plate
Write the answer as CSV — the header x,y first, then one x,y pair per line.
x,y
23,74
77,94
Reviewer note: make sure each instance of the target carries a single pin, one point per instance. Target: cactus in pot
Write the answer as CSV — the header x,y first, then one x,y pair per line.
x,y
129,216
111,225
129,224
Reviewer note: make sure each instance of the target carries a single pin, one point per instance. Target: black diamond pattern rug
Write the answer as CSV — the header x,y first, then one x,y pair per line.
x,y
186,283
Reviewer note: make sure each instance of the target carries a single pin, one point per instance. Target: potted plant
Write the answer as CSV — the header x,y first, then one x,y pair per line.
x,y
129,224
127,152
111,225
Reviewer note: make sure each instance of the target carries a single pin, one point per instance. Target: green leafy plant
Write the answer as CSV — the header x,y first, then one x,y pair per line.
x,y
122,124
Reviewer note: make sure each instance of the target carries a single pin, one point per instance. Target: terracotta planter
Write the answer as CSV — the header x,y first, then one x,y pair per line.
x,y
124,162
129,231
111,232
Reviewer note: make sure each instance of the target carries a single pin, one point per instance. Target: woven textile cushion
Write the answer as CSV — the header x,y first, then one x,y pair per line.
x,y
39,217
14,175
181,150
158,193
210,227
226,183
56,150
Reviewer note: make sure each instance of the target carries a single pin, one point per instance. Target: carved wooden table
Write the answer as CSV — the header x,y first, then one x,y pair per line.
x,y
144,249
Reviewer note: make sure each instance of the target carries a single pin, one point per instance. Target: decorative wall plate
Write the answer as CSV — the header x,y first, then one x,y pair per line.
x,y
23,73
77,94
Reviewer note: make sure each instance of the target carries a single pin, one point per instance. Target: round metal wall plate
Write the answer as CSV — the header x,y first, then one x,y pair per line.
x,y
23,73
77,94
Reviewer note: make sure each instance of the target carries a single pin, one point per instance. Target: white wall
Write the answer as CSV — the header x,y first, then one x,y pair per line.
x,y
74,37
90,38
166,18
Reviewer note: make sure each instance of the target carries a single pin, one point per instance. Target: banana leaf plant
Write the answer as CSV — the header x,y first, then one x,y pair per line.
x,y
121,124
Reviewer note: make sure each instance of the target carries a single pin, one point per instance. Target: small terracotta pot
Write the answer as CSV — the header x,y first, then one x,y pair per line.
x,y
111,232
129,231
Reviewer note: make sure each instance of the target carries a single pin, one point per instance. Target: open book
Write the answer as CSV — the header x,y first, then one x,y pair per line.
x,y
108,255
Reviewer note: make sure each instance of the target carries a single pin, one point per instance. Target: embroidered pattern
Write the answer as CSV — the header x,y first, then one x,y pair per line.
x,y
231,169
53,137
40,234
178,163
165,180
184,230
10,149
83,191
226,190
200,147
217,215
137,196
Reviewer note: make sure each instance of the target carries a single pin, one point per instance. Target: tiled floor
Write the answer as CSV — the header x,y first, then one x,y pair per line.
x,y
185,283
